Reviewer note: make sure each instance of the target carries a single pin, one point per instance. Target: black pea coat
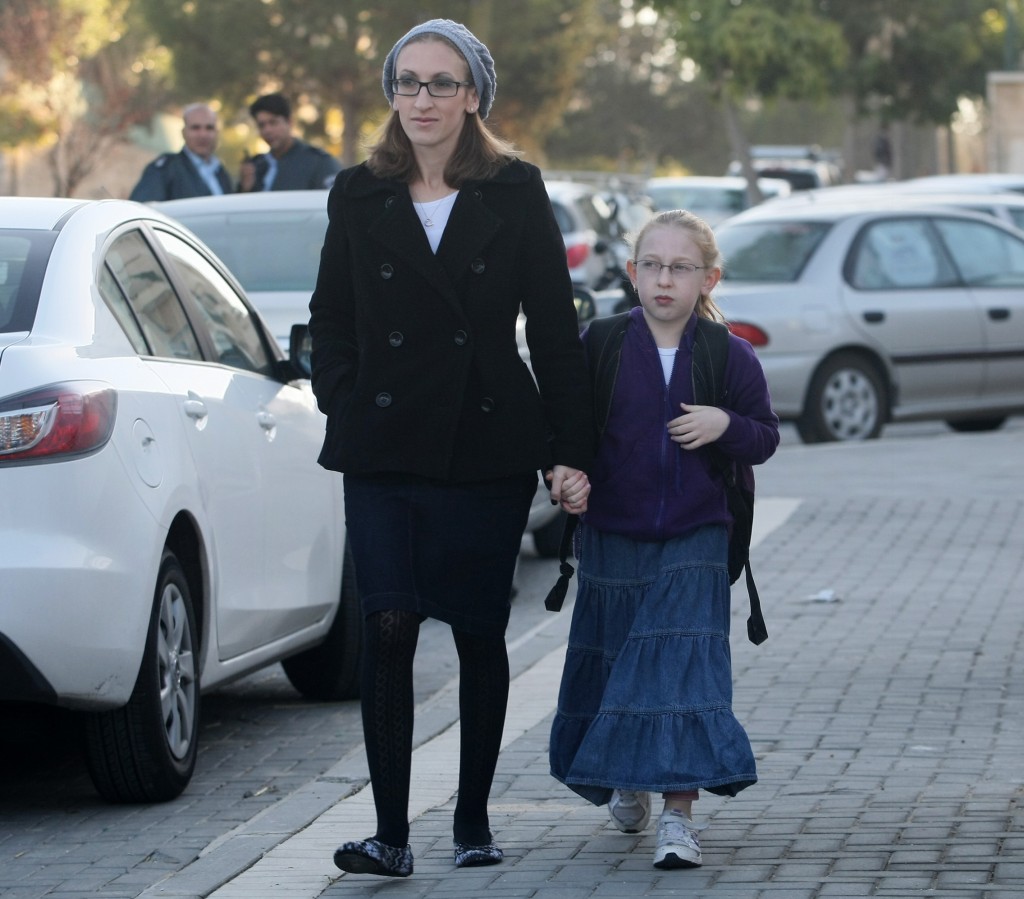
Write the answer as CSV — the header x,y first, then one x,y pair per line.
x,y
415,361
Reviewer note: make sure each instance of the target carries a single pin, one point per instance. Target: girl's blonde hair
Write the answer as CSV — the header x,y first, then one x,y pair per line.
x,y
479,153
702,235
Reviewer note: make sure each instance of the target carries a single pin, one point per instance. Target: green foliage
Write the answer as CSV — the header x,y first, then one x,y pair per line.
x,y
766,48
913,60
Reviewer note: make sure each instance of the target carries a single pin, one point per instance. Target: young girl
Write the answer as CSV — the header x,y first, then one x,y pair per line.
x,y
646,695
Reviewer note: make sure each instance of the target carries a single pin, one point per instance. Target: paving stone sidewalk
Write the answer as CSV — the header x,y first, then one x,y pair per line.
x,y
886,712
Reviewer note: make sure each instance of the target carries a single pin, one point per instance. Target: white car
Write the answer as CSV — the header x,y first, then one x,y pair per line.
x,y
272,242
713,198
165,526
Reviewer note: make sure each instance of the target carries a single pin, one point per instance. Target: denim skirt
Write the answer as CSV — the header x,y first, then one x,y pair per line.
x,y
646,696
443,550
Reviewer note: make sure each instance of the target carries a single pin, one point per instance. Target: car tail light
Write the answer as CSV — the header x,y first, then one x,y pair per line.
x,y
57,421
577,254
750,333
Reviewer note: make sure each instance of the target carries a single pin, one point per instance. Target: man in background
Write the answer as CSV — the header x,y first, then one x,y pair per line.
x,y
194,171
291,164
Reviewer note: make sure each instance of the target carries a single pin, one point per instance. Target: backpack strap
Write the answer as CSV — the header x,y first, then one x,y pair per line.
x,y
710,353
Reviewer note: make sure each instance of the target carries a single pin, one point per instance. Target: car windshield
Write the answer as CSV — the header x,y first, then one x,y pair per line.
x,y
697,199
266,251
23,256
768,251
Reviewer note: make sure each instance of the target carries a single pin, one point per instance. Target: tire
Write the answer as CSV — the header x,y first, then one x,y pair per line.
x,y
847,400
547,539
330,671
146,751
976,425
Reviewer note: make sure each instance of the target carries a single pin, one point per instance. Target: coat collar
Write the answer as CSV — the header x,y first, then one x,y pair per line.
x,y
471,227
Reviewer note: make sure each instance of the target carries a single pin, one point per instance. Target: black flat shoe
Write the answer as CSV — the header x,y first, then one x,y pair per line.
x,y
374,857
467,856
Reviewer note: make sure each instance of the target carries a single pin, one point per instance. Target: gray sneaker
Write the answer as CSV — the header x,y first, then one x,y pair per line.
x,y
678,845
629,811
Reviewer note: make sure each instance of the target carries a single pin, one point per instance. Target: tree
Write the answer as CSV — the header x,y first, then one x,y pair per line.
x,y
76,78
764,49
327,55
914,60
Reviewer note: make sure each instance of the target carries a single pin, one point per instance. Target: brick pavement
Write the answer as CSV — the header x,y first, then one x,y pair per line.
x,y
886,712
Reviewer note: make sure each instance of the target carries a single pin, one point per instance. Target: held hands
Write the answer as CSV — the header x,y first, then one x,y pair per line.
x,y
569,488
698,426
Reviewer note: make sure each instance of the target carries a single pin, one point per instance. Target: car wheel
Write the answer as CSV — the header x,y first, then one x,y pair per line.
x,y
846,401
976,425
330,671
146,751
547,539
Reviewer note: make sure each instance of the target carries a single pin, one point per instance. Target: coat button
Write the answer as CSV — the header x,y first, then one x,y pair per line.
x,y
460,338
479,194
487,404
383,400
395,338
389,202
477,265
386,271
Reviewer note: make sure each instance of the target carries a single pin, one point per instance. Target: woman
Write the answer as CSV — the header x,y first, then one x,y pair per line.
x,y
432,247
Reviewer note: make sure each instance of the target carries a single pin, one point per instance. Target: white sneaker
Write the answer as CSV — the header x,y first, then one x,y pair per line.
x,y
630,811
678,846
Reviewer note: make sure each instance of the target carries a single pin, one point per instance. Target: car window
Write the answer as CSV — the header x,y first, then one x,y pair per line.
x,y
118,304
266,251
769,251
1017,217
237,338
983,254
155,305
23,257
899,253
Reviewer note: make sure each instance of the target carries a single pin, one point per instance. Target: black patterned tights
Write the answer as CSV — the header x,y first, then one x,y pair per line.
x,y
388,702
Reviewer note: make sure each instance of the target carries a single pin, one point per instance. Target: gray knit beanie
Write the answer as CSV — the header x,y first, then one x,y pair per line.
x,y
481,64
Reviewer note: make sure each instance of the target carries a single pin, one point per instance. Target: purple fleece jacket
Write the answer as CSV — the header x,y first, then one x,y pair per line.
x,y
645,486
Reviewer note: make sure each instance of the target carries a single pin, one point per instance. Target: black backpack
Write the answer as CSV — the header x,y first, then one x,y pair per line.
x,y
710,350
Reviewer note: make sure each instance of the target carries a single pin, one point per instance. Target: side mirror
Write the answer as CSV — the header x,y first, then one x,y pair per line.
x,y
300,349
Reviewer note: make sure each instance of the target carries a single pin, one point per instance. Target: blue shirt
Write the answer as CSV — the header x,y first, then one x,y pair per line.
x,y
207,169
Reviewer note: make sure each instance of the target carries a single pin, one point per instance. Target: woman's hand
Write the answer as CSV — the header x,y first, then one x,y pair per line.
x,y
698,426
569,488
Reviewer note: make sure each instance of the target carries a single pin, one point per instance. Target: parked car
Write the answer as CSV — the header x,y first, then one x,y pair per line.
x,y
969,182
588,227
272,241
1008,207
166,527
868,313
713,198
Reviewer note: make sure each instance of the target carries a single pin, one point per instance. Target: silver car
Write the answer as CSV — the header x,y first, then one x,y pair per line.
x,y
865,313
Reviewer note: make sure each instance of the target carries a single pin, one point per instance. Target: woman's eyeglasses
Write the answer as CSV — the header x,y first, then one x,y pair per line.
x,y
410,87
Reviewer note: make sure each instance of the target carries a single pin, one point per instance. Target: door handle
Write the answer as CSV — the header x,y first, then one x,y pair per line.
x,y
999,314
873,317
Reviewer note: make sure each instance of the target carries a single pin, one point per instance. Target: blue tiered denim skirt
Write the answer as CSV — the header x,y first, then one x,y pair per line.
x,y
646,695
